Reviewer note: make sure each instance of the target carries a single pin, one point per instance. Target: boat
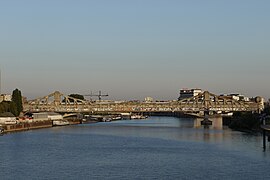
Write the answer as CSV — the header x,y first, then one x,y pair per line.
x,y
106,119
115,118
1,130
60,122
137,116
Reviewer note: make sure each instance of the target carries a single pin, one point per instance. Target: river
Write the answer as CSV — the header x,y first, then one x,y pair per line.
x,y
155,148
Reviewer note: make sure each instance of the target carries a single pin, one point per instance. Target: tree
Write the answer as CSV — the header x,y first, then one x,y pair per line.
x,y
13,108
4,107
77,96
17,100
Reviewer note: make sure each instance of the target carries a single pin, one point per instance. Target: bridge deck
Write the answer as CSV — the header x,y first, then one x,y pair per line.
x,y
205,101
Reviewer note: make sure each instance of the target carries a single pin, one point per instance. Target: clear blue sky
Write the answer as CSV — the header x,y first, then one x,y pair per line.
x,y
135,48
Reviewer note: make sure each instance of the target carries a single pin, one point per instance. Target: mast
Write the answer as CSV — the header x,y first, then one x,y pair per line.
x,y
0,81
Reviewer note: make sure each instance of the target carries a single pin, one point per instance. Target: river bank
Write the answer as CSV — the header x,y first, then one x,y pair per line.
x,y
25,126
244,122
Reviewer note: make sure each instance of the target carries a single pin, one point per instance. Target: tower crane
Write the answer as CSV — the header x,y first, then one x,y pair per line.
x,y
99,95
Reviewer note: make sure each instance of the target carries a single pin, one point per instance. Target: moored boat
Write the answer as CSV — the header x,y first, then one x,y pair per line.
x,y
138,116
60,122
106,119
1,130
116,118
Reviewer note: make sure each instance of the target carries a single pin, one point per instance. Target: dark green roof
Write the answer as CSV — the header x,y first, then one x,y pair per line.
x,y
6,114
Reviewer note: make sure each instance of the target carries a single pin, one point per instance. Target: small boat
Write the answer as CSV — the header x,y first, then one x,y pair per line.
x,y
60,122
116,118
137,116
2,130
106,119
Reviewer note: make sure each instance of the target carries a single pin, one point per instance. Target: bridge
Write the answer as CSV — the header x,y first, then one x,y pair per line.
x,y
204,102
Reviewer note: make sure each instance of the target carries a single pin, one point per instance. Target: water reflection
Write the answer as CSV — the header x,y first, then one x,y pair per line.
x,y
170,128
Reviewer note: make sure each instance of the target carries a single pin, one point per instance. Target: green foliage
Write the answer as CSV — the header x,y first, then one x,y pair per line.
x,y
13,108
246,122
6,114
16,105
4,107
267,108
77,96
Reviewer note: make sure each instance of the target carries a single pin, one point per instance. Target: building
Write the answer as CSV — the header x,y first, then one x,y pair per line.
x,y
188,93
43,116
237,97
54,116
5,97
148,99
7,118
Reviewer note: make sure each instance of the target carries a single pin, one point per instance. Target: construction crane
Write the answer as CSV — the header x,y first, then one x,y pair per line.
x,y
99,95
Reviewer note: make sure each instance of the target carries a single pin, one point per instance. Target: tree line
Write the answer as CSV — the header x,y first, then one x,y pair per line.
x,y
15,105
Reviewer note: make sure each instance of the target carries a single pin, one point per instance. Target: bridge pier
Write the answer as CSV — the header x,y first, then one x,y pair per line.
x,y
217,122
206,122
264,139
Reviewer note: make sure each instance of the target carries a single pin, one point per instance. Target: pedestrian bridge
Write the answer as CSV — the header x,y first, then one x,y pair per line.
x,y
206,101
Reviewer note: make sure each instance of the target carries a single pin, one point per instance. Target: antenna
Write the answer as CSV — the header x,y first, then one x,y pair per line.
x,y
0,81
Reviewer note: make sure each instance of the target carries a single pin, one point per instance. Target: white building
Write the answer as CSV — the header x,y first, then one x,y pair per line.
x,y
148,99
54,116
188,93
8,118
47,116
237,97
5,97
40,116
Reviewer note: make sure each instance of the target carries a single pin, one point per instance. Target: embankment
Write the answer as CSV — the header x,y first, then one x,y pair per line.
x,y
24,126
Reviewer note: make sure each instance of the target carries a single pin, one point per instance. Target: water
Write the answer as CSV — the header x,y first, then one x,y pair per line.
x,y
156,148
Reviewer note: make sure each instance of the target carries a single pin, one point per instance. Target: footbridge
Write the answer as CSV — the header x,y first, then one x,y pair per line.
x,y
206,101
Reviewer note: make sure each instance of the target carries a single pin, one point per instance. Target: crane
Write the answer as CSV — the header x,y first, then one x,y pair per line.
x,y
99,95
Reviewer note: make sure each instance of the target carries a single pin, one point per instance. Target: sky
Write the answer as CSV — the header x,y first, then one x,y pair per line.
x,y
133,49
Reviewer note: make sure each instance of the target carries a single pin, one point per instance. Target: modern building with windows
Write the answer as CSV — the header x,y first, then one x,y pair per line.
x,y
188,93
